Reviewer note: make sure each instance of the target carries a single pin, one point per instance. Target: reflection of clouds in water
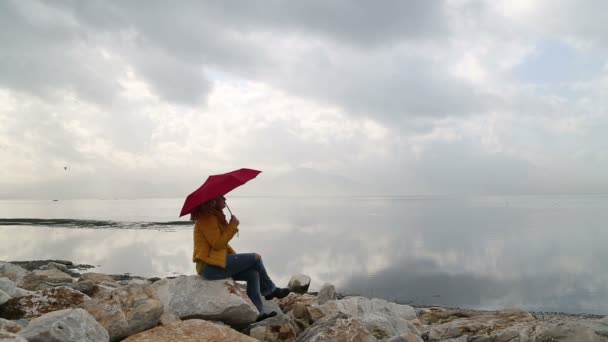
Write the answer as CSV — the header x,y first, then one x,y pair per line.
x,y
469,255
144,253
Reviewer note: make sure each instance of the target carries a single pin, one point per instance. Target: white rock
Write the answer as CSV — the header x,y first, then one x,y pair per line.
x,y
278,328
270,306
4,297
383,318
326,293
11,289
54,265
195,297
126,311
9,326
13,272
70,325
10,337
299,283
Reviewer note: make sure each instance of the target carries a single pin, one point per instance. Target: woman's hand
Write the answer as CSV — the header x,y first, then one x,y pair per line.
x,y
234,220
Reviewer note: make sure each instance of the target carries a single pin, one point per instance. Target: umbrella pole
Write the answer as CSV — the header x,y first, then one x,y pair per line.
x,y
227,207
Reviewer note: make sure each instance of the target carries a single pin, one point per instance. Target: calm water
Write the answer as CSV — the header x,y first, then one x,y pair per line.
x,y
537,253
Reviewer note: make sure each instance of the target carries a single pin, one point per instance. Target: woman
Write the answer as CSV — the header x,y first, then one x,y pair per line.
x,y
215,259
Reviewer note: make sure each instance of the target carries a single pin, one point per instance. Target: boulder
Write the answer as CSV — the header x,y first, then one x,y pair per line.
x,y
12,271
168,317
569,332
96,277
193,330
84,286
299,283
126,311
57,266
9,287
409,337
41,302
600,327
4,297
43,279
195,297
70,325
326,293
506,325
339,327
270,306
286,304
274,329
383,319
10,337
9,326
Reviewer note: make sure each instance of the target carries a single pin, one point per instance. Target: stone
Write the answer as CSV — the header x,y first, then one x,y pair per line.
x,y
10,337
41,302
96,277
299,283
70,325
9,287
11,271
270,306
274,329
168,317
569,332
383,319
42,279
85,286
506,325
57,266
10,326
195,297
4,297
286,304
409,337
126,311
326,293
340,327
137,281
193,330
101,290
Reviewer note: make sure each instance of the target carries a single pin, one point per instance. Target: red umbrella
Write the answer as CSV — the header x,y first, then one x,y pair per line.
x,y
217,185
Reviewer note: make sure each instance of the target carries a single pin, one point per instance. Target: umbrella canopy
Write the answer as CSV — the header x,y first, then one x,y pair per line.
x,y
217,185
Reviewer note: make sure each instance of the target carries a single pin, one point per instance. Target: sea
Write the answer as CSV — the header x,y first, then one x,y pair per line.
x,y
539,253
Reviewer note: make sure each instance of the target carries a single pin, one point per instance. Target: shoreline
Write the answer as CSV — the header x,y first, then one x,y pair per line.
x,y
31,265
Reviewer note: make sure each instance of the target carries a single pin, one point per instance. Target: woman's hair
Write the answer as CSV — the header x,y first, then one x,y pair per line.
x,y
205,208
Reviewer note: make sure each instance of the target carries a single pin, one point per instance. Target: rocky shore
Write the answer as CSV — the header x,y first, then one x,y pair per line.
x,y
53,300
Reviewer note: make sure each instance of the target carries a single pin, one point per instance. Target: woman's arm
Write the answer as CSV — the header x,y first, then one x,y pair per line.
x,y
214,235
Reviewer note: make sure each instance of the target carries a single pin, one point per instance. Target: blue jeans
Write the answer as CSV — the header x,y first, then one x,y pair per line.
x,y
245,267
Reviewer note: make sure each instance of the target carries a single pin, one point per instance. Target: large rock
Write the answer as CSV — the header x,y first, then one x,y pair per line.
x,y
9,287
12,271
193,330
126,311
96,277
274,329
41,302
71,325
6,336
43,279
340,327
569,332
326,293
195,297
4,297
9,326
299,283
506,325
383,319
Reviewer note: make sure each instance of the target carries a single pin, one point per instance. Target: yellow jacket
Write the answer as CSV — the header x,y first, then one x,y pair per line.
x,y
211,235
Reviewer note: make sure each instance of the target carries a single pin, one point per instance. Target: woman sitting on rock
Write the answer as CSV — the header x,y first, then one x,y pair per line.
x,y
215,259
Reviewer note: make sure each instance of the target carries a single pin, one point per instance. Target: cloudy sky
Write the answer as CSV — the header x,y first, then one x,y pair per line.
x,y
146,98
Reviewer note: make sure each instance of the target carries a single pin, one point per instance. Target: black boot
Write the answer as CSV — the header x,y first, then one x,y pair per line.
x,y
279,292
266,315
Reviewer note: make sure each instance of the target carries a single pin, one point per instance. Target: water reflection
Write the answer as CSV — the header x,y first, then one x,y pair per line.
x,y
536,253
